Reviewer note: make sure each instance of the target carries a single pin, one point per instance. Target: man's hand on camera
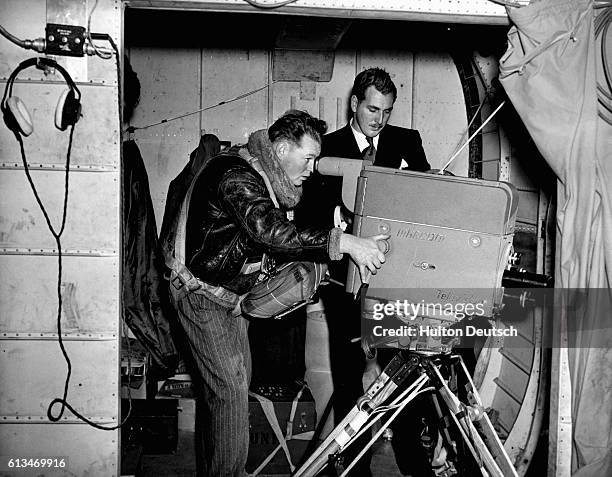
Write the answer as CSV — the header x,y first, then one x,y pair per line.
x,y
365,252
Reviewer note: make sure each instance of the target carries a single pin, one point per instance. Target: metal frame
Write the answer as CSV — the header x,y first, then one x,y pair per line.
x,y
454,11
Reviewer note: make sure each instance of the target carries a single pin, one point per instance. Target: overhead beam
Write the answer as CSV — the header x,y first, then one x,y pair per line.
x,y
459,11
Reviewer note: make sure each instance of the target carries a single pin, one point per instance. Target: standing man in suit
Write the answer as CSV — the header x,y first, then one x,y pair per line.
x,y
367,137
372,99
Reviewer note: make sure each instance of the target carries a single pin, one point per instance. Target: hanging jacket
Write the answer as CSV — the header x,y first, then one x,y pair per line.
x,y
142,280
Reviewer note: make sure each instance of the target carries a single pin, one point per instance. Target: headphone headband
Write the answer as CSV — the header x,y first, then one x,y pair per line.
x,y
38,61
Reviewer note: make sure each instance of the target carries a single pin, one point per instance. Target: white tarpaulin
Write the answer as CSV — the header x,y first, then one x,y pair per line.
x,y
550,74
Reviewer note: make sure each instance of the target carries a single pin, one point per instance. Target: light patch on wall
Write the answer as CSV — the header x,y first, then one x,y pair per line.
x,y
299,65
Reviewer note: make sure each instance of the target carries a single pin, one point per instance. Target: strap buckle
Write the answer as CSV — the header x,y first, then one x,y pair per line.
x,y
184,277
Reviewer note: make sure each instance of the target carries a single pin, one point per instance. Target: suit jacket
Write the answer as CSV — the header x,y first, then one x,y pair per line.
x,y
322,194
394,144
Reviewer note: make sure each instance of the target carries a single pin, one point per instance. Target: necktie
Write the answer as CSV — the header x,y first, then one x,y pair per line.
x,y
369,153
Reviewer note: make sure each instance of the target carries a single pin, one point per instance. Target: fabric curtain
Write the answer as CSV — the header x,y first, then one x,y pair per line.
x,y
550,74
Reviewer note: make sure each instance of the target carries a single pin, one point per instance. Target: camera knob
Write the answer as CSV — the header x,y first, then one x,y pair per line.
x,y
384,246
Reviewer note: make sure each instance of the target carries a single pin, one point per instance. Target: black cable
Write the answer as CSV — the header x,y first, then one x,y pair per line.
x,y
512,3
57,236
11,37
63,401
38,44
269,5
132,129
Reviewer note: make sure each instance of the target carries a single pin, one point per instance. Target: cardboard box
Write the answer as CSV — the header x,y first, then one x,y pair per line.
x,y
262,438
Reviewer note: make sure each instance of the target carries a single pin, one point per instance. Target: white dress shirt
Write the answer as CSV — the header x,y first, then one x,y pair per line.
x,y
362,144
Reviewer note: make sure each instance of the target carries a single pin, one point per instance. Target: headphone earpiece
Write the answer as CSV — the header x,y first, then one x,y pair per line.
x,y
68,110
16,115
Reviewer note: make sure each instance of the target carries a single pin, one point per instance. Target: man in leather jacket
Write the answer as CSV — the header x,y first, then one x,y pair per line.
x,y
232,221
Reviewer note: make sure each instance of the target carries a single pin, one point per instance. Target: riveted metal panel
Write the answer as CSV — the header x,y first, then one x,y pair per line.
x,y
96,135
69,12
513,380
170,86
490,170
528,206
13,13
490,145
520,351
33,374
488,68
507,407
90,291
399,64
439,110
104,20
74,12
524,170
92,220
226,74
491,154
32,370
482,11
91,452
331,99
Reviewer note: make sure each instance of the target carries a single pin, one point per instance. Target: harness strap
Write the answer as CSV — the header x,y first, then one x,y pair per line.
x,y
255,163
181,276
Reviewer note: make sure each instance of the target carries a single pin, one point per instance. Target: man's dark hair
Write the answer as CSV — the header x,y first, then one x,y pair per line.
x,y
294,124
376,77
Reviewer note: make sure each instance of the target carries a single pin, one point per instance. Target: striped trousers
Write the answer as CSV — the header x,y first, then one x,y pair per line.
x,y
220,348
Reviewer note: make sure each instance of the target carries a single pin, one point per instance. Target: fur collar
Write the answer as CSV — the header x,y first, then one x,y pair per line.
x,y
287,194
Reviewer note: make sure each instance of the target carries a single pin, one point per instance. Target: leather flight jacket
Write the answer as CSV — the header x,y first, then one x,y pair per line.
x,y
233,221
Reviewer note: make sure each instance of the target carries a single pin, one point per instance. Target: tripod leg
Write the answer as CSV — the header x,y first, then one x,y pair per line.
x,y
451,442
470,436
460,413
413,389
483,423
441,460
392,376
339,436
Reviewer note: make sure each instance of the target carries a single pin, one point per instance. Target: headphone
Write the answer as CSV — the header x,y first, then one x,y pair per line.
x,y
16,115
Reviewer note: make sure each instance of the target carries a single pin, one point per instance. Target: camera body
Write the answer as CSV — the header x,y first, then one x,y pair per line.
x,y
450,239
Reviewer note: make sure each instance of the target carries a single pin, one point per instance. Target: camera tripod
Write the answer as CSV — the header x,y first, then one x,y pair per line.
x,y
428,374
